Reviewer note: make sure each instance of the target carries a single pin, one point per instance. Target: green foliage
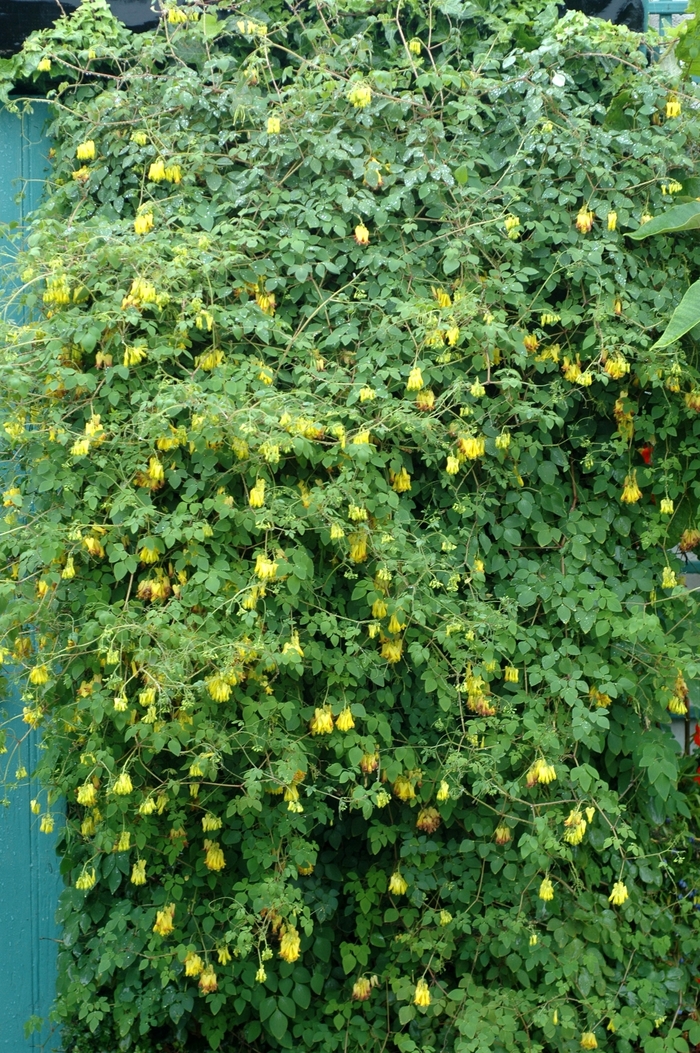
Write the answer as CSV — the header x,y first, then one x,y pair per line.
x,y
408,702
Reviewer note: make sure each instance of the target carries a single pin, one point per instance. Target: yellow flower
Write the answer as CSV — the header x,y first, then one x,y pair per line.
x,y
361,234
176,17
403,788
134,355
139,137
546,891
87,794
290,944
39,675
673,107
588,1040
425,400
81,175
123,785
224,955
630,491
400,481
44,65
666,507
619,894
646,217
445,917
502,441
256,497
616,366
124,842
421,995
138,872
47,824
265,569
156,172
87,880
193,964
397,884
344,720
478,566
502,834
360,96
207,981
362,438
85,151
35,807
668,579
361,989
379,609
211,822
512,225
68,571
164,920
677,706
472,446
321,722
214,859
511,674
415,380
584,220
576,827
392,651
358,548
414,46
261,975
274,126
395,626
443,792
143,223
477,390
452,335
612,220
546,773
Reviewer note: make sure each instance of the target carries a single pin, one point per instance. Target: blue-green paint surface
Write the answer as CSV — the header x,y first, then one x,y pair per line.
x,y
29,868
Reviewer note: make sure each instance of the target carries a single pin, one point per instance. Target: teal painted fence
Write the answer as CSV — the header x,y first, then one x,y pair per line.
x,y
29,874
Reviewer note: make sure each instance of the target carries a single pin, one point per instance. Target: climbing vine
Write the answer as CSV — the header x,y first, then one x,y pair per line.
x,y
344,532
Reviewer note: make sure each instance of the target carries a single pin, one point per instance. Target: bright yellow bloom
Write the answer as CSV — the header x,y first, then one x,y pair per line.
x,y
401,481
502,834
395,626
256,497
421,995
619,894
85,151
44,65
668,579
546,891
321,722
87,794
443,792
274,126
35,807
193,964
546,773
477,390
124,842
87,880
379,609
612,220
290,944
666,507
143,223
138,872
472,446
588,1040
261,975
584,220
123,785
425,400
677,706
156,172
392,651
576,827
214,859
673,107
39,675
415,380
164,920
265,569
139,137
502,441
211,822
415,46
361,989
134,355
344,720
47,824
403,788
360,96
224,955
511,674
630,492
208,982
361,234
68,571
358,548
397,884
452,466
445,917
533,939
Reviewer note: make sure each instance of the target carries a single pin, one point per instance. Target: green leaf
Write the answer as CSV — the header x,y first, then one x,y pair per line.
x,y
683,319
278,1024
679,217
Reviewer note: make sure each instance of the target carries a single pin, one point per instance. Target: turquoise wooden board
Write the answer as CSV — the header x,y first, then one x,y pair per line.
x,y
29,867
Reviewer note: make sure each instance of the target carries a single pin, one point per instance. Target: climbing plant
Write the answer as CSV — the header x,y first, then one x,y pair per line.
x,y
343,548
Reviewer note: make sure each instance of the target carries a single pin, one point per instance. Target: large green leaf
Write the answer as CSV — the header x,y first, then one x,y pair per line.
x,y
680,217
685,316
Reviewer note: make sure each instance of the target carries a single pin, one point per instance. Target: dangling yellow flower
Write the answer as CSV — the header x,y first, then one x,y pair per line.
x,y
87,880
47,824
588,1040
274,126
360,96
668,578
39,675
400,481
443,792
612,220
673,107
511,674
164,920
421,996
392,651
415,380
546,891
214,859
361,234
85,151
290,944
397,884
584,220
193,964
123,785
138,872
630,491
344,720
321,722
666,506
619,894
87,794
256,497
207,981
143,223
224,955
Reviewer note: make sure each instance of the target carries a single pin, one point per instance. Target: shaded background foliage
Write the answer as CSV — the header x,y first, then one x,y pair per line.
x,y
337,366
